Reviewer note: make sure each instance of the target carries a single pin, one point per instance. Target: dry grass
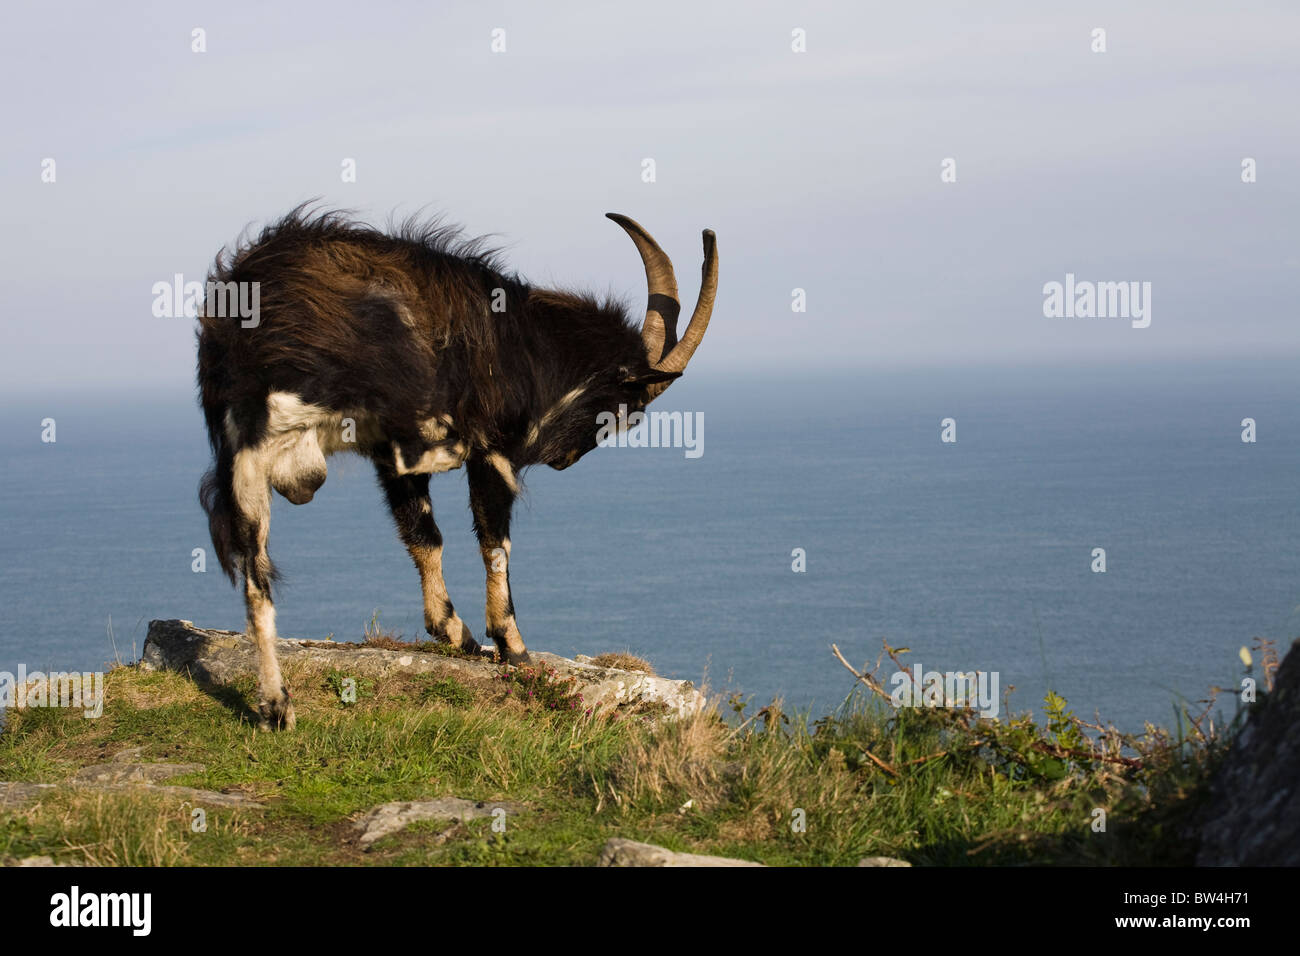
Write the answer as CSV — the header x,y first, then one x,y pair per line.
x,y
624,662
387,642
376,636
681,761
139,695
124,828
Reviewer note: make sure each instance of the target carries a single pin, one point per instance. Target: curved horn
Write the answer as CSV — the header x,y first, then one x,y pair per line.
x,y
659,331
675,361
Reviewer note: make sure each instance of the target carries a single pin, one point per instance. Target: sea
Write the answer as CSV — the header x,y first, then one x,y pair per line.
x,y
816,509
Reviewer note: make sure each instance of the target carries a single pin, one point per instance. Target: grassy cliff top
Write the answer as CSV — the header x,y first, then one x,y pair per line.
x,y
934,787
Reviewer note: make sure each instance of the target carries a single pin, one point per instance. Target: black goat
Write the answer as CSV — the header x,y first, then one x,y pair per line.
x,y
419,352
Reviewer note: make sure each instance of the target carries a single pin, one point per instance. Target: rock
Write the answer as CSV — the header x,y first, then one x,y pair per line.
x,y
17,794
122,777
1250,818
217,657
611,687
881,861
198,798
121,772
389,818
37,861
619,852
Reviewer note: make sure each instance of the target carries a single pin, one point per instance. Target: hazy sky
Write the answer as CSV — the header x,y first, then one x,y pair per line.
x,y
819,170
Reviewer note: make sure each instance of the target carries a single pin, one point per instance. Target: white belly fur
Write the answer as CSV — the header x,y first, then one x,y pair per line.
x,y
300,436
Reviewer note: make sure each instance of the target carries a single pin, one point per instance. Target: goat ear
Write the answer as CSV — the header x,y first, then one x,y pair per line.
x,y
652,377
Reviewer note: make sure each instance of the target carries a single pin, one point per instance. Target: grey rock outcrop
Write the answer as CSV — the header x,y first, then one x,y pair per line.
x,y
200,798
620,852
120,773
390,818
217,657
1252,817
123,774
19,794
882,861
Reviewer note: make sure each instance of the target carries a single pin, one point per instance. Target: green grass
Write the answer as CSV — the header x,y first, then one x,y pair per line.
x,y
935,787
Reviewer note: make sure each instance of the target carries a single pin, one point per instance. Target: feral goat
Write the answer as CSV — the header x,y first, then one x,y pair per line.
x,y
419,352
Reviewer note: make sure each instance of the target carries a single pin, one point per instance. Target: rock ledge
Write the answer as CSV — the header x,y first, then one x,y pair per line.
x,y
217,657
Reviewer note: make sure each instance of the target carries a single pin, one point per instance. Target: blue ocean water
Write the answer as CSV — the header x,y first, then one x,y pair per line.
x,y
975,554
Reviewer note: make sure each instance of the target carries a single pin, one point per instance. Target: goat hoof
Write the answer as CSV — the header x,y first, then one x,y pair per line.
x,y
276,713
456,633
510,646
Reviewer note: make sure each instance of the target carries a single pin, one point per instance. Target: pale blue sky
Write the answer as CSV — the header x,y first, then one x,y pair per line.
x,y
818,170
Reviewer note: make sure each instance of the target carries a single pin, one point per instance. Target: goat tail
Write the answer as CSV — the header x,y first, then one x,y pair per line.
x,y
216,495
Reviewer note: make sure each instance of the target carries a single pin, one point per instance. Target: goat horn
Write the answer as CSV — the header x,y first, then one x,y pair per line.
x,y
675,360
659,331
